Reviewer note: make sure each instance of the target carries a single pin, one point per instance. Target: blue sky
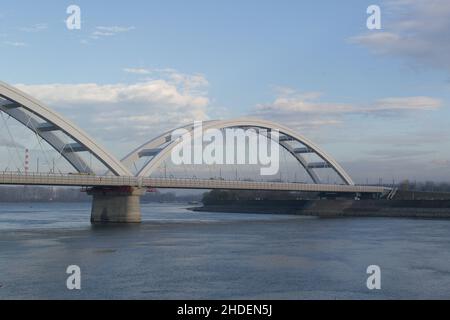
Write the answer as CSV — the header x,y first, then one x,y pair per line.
x,y
376,100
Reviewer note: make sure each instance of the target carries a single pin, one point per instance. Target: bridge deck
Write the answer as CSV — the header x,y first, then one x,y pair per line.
x,y
112,181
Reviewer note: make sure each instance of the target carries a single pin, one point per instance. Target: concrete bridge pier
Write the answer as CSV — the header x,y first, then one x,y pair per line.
x,y
116,204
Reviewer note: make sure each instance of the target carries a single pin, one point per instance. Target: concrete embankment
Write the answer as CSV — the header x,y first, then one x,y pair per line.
x,y
338,208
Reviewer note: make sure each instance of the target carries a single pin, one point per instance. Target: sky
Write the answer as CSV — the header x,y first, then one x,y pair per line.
x,y
378,101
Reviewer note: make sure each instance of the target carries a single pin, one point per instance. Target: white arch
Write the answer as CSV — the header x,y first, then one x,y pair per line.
x,y
46,122
165,139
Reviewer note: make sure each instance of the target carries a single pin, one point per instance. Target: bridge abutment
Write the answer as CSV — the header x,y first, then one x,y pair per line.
x,y
116,204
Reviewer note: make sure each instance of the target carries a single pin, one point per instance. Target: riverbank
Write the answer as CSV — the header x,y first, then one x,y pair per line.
x,y
338,208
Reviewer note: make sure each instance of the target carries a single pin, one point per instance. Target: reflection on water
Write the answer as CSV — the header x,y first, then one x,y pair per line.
x,y
176,253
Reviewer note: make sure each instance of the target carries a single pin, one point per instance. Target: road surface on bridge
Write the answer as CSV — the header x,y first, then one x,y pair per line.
x,y
171,183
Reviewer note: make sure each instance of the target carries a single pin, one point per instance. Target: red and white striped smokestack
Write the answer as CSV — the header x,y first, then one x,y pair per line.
x,y
27,158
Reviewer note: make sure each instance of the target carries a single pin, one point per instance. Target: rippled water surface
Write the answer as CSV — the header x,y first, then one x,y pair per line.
x,y
179,254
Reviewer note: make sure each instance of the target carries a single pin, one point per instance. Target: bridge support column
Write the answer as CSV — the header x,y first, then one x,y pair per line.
x,y
116,204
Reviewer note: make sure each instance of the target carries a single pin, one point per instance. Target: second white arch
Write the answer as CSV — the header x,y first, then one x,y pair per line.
x,y
161,147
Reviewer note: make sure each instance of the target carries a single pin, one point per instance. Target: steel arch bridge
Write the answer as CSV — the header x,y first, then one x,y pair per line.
x,y
69,141
160,147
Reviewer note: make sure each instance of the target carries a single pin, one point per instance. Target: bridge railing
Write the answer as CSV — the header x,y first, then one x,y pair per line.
x,y
256,185
17,178
65,179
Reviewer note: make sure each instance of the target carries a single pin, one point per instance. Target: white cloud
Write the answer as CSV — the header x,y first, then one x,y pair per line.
x,y
104,31
115,29
150,92
303,102
126,112
418,30
35,28
406,103
97,34
307,110
137,70
189,82
15,43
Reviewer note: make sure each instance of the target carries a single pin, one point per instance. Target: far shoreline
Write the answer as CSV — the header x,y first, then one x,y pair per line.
x,y
423,209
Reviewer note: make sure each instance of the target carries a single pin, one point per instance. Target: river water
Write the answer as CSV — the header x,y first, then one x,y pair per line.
x,y
179,254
